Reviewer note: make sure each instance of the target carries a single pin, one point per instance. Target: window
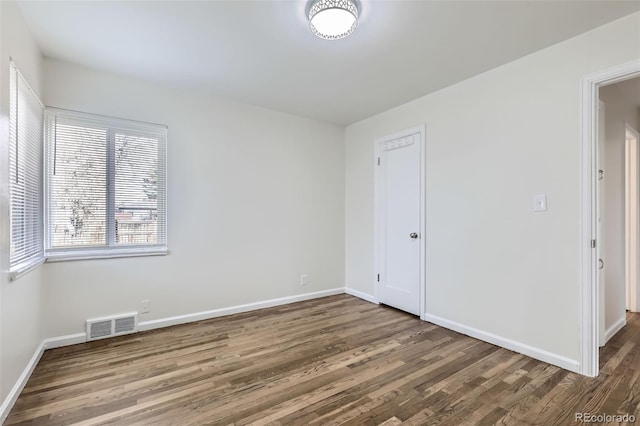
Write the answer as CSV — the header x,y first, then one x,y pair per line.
x,y
25,176
105,186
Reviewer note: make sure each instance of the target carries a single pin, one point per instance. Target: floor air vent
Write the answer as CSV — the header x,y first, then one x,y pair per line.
x,y
112,326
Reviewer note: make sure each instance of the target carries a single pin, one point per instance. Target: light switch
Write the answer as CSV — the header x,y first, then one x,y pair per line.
x,y
540,203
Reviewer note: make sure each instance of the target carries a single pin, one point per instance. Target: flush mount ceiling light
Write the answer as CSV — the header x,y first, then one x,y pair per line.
x,y
333,19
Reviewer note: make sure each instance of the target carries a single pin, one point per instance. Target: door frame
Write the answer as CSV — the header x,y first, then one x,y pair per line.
x,y
421,130
631,239
589,298
600,213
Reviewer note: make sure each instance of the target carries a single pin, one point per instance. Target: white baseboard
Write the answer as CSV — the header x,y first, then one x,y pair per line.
x,y
71,339
15,391
537,353
199,316
617,326
361,295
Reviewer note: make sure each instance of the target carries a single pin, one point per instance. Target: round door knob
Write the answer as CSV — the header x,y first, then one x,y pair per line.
x,y
413,235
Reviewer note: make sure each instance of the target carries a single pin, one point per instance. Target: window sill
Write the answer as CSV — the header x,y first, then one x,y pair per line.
x,y
62,256
23,268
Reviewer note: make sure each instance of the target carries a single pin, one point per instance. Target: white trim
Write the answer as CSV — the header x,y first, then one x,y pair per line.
x,y
600,215
617,326
15,391
376,219
68,340
107,120
360,295
421,130
25,81
589,298
214,313
21,269
631,197
109,253
523,348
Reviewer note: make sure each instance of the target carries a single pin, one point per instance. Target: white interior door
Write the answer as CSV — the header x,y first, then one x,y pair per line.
x,y
600,223
399,226
632,219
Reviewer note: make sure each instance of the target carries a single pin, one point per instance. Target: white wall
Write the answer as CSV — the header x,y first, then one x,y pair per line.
x,y
494,141
255,198
619,109
20,331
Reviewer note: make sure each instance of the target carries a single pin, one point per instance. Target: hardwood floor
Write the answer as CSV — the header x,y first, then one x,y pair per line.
x,y
336,360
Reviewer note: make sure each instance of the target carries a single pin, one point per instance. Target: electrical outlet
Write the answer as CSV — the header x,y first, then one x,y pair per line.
x,y
304,279
144,307
540,203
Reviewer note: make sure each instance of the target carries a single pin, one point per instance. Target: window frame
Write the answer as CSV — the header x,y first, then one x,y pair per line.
x,y
17,85
112,125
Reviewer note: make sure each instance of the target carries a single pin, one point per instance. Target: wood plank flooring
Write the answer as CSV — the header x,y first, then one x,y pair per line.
x,y
330,361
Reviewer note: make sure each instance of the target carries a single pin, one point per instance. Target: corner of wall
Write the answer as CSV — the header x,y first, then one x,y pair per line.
x,y
20,302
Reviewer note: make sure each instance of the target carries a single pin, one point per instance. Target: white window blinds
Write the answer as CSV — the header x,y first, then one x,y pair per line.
x,y
106,186
25,175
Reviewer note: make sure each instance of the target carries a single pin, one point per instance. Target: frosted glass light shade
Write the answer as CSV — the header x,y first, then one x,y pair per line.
x,y
333,19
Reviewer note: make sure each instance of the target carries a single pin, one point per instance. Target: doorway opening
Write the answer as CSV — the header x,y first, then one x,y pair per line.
x,y
591,249
617,199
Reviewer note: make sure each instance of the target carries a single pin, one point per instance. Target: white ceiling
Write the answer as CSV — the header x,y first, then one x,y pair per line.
x,y
262,52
